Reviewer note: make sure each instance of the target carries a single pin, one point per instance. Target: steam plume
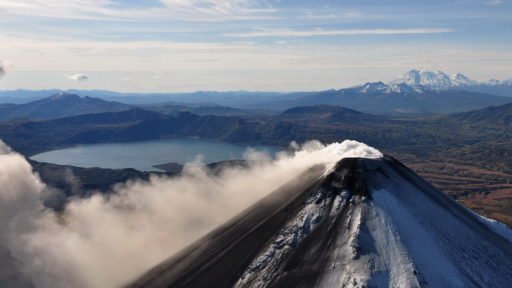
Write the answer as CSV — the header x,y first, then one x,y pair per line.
x,y
107,241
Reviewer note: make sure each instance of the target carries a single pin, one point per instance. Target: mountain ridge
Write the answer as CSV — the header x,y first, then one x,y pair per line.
x,y
60,105
366,223
413,80
439,80
490,116
380,98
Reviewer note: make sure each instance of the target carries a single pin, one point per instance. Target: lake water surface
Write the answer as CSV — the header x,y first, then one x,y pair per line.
x,y
143,155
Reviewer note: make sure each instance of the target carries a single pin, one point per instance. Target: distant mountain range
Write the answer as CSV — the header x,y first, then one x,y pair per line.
x,y
203,98
395,98
65,105
59,105
326,123
416,92
328,113
376,98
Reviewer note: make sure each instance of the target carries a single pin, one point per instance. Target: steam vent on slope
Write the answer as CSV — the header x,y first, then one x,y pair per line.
x,y
369,223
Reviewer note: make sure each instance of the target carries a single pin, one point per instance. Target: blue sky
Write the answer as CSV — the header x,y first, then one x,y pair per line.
x,y
280,45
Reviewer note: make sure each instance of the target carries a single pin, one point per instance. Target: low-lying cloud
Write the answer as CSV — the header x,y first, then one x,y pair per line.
x,y
79,77
107,241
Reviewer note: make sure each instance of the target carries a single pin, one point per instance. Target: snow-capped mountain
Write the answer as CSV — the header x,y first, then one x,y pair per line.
x,y
380,98
367,223
373,87
434,80
421,80
439,80
458,79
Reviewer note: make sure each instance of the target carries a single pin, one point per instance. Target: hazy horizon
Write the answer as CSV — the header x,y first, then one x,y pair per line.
x,y
230,45
81,87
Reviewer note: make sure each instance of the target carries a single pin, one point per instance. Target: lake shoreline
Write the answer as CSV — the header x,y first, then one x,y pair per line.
x,y
150,155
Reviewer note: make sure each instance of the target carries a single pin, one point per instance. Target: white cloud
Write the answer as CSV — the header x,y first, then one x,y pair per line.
x,y
217,7
494,2
321,32
308,14
185,10
79,77
107,241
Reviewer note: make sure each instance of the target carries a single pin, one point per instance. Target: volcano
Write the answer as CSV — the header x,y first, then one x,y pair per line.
x,y
365,223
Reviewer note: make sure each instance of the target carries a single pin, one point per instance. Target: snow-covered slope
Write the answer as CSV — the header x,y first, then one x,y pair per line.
x,y
369,223
381,88
373,87
433,80
458,79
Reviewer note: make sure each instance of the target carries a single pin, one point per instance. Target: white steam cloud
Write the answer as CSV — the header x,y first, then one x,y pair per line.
x,y
79,77
107,241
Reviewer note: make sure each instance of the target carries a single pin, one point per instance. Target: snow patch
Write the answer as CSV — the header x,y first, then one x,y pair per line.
x,y
496,226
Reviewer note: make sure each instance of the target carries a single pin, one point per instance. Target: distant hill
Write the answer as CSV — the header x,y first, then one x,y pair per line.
x,y
313,110
207,110
22,96
59,105
327,113
133,115
491,116
325,123
6,105
380,98
204,98
33,136
503,89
